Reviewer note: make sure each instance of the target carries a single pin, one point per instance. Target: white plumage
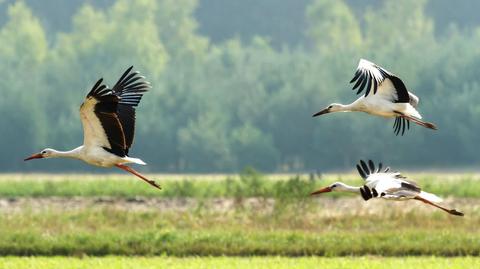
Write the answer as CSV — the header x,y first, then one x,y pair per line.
x,y
386,185
108,120
385,95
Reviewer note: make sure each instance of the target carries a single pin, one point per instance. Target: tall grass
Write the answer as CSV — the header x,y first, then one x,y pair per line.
x,y
247,184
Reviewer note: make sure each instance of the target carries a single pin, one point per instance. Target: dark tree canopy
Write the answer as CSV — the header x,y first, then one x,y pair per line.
x,y
235,82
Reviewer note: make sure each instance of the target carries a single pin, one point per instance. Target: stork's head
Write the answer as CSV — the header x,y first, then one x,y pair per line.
x,y
337,186
331,108
46,153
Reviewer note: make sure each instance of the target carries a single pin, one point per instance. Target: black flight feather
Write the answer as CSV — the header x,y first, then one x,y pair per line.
x,y
357,75
360,171
375,86
364,81
365,167
372,166
379,167
359,81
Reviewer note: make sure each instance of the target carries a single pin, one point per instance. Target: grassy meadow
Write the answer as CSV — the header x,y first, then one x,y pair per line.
x,y
247,184
237,262
205,220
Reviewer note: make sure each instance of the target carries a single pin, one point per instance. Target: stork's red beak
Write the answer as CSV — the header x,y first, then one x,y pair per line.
x,y
326,189
34,156
325,111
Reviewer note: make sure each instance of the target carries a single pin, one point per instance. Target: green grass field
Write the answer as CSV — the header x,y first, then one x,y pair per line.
x,y
235,262
244,227
248,184
196,222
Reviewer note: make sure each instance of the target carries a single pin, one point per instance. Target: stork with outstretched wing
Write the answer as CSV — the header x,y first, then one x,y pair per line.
x,y
383,94
386,185
108,119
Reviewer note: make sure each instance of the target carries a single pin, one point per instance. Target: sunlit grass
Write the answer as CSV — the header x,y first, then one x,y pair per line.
x,y
186,218
287,228
112,262
248,184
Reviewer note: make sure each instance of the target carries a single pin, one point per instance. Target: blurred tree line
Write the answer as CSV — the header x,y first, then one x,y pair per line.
x,y
220,103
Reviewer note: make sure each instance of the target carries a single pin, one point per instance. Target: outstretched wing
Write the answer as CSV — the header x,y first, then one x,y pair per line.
x,y
374,79
395,186
108,115
385,183
366,170
129,89
101,125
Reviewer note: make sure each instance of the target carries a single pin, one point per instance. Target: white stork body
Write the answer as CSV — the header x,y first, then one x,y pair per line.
x,y
385,96
93,155
108,119
378,106
387,185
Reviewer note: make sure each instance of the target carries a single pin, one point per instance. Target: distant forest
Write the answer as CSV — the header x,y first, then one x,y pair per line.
x,y
235,82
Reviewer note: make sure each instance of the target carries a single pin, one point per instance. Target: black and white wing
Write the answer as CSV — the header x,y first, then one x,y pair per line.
x,y
101,125
108,115
382,183
371,78
129,89
366,170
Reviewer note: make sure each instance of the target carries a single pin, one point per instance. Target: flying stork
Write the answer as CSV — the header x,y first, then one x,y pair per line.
x,y
386,185
108,119
385,96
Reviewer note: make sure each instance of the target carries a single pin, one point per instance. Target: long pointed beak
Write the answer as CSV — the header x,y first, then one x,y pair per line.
x,y
325,111
34,156
326,189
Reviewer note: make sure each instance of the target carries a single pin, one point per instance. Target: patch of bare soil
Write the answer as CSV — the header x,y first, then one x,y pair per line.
x,y
328,207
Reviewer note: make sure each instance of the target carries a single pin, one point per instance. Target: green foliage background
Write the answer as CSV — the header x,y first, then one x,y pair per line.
x,y
223,100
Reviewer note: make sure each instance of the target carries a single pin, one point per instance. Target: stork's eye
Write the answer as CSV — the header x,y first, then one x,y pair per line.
x,y
330,107
44,152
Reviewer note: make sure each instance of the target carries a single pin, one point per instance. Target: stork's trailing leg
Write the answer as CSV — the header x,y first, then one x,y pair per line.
x,y
425,124
450,211
131,170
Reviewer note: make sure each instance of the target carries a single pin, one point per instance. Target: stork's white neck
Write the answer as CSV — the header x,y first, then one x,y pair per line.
x,y
74,153
355,106
342,187
348,188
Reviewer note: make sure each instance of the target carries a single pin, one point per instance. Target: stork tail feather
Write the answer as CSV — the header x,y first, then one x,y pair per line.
x,y
135,160
430,196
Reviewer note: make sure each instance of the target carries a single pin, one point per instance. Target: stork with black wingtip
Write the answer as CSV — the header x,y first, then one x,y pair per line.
x,y
108,119
385,95
387,185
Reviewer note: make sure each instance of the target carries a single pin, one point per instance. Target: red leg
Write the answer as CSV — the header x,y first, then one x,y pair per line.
x,y
450,211
420,122
129,169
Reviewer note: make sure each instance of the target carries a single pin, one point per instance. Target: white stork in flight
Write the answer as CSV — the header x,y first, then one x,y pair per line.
x,y
386,185
385,96
108,119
